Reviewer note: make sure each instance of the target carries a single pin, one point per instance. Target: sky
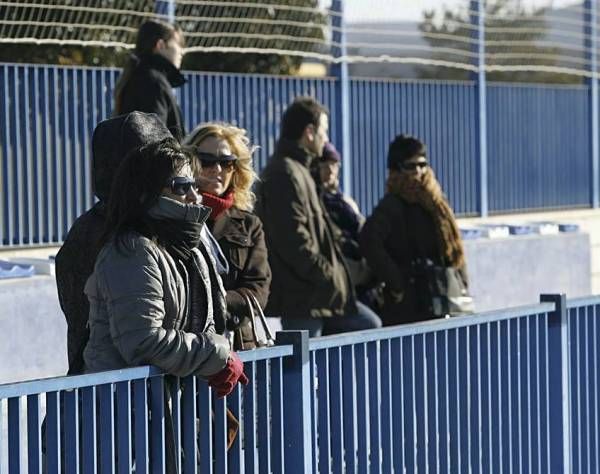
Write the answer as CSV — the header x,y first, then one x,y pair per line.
x,y
411,10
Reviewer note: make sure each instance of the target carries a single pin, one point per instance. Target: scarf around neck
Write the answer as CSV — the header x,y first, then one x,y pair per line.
x,y
178,226
218,204
428,194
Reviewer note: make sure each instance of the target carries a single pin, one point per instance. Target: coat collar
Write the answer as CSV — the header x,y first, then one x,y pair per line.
x,y
162,64
290,149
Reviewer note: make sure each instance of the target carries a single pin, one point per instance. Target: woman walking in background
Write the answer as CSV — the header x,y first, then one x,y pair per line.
x,y
224,175
147,81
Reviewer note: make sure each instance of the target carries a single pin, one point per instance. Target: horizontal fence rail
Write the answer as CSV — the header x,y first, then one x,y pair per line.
x,y
141,420
538,138
505,391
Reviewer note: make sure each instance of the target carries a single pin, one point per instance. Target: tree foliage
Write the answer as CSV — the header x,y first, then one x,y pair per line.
x,y
510,30
213,26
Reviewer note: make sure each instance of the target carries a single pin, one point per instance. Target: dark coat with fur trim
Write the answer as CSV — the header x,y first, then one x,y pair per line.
x,y
394,235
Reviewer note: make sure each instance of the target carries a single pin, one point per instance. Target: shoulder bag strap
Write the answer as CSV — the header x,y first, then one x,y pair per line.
x,y
270,340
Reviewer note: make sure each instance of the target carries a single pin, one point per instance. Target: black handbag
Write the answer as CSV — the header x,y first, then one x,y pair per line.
x,y
442,289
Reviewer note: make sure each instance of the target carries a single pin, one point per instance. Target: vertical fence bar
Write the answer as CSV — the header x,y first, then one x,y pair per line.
x,y
88,415
558,383
14,435
298,449
107,431
124,427
140,393
53,429
71,426
190,432
590,20
34,435
342,92
157,423
478,23
278,415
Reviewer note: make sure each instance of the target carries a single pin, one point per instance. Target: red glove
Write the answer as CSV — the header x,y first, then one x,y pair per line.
x,y
224,381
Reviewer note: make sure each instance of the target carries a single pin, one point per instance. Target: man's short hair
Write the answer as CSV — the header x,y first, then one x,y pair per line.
x,y
302,112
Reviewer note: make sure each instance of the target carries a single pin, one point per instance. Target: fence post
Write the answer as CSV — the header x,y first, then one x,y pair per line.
x,y
165,8
339,70
591,49
559,385
298,449
478,22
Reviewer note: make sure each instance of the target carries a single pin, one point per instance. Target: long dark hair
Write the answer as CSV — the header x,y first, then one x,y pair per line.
x,y
137,185
149,33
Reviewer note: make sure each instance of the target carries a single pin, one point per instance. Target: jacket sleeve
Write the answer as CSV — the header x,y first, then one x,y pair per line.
x,y
71,276
256,275
133,288
289,234
372,239
74,264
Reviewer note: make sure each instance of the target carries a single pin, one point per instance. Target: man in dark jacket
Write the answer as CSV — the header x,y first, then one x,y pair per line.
x,y
112,140
311,287
147,81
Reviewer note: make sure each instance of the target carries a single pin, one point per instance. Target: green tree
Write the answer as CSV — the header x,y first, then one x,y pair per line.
x,y
286,25
448,29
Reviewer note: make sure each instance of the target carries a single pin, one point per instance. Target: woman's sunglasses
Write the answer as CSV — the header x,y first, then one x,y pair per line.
x,y
208,160
412,166
181,185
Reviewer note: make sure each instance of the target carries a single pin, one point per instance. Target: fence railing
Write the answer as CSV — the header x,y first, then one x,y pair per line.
x,y
505,391
50,112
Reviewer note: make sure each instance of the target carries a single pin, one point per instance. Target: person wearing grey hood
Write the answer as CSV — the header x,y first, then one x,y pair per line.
x,y
113,139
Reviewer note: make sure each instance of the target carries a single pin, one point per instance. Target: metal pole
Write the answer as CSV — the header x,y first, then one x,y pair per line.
x,y
165,8
478,20
342,96
298,448
559,379
591,49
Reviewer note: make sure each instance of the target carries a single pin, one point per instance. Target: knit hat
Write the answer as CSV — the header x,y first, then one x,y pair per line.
x,y
330,153
404,147
114,138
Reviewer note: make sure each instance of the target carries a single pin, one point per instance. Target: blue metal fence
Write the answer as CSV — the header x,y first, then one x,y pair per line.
x,y
441,113
538,138
584,377
506,391
538,147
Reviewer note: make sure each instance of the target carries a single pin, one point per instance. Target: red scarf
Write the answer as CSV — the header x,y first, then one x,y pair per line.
x,y
218,204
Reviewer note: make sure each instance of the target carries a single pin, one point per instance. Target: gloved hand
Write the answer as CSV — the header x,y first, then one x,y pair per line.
x,y
224,381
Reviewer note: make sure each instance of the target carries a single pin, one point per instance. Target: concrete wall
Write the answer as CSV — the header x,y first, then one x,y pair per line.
x,y
33,331
516,270
587,219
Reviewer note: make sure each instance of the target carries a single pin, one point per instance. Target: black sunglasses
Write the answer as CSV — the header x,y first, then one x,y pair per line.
x,y
181,185
209,160
412,166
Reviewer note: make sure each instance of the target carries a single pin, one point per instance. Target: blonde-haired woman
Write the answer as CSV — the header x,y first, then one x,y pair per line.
x,y
224,175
